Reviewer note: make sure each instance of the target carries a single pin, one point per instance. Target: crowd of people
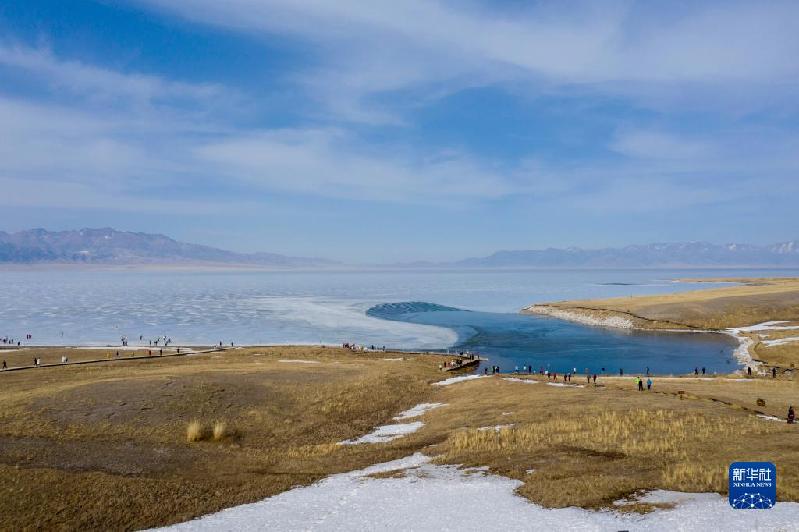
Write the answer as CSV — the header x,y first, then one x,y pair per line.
x,y
363,348
7,340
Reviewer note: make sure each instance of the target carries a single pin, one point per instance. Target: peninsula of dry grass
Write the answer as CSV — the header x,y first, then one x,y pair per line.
x,y
750,301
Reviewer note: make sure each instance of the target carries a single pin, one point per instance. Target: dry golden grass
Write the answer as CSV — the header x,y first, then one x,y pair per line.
x,y
666,433
595,445
194,431
756,301
106,446
670,437
220,430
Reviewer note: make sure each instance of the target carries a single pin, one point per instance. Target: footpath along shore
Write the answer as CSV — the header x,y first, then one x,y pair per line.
x,y
116,354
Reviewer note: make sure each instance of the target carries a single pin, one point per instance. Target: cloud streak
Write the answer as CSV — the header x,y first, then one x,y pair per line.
x,y
368,48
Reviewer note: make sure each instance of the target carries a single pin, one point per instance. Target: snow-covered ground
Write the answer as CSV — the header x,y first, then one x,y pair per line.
x,y
615,322
742,352
497,428
768,326
418,410
516,379
781,341
435,497
386,433
453,380
299,361
564,385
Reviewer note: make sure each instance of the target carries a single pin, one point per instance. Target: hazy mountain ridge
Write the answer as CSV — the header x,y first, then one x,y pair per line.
x,y
673,254
109,246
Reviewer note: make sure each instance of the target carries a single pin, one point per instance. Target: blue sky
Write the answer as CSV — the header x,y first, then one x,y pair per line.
x,y
386,131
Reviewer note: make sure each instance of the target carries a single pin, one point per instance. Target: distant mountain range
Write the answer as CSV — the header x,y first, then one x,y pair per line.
x,y
673,255
109,246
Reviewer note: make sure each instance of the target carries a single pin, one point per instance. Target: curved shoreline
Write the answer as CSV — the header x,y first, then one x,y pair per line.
x,y
613,319
740,310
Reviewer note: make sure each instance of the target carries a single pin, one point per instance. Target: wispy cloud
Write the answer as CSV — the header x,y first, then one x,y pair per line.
x,y
641,50
101,84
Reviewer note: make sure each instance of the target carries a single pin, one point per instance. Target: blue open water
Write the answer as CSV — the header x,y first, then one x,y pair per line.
x,y
514,340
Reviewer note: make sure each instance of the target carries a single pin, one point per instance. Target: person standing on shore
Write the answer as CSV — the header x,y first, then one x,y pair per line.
x,y
640,384
791,415
774,373
649,384
749,370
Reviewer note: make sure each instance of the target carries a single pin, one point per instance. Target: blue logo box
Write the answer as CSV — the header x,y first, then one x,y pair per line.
x,y
753,485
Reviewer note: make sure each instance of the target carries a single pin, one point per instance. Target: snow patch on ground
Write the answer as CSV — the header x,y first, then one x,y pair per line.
x,y
299,361
742,353
386,433
496,428
418,410
394,359
781,341
436,497
616,322
514,379
564,385
767,326
453,380
771,418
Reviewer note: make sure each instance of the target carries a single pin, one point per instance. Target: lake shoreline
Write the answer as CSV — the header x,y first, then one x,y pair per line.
x,y
678,312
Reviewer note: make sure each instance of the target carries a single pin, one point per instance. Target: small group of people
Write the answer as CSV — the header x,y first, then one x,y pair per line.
x,y
696,371
640,383
10,341
553,375
160,340
357,347
494,370
455,363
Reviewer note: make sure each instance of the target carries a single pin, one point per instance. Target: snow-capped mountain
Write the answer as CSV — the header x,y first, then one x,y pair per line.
x,y
109,246
673,254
